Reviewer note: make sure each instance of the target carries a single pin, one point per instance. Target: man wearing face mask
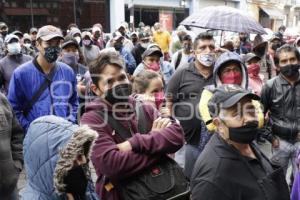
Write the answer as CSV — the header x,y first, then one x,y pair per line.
x,y
11,61
245,45
116,160
117,43
3,33
253,67
44,86
185,55
139,49
76,34
274,44
89,50
98,37
70,56
280,98
26,46
232,167
152,60
183,95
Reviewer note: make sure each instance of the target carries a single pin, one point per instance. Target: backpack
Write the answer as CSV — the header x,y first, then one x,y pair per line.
x,y
163,180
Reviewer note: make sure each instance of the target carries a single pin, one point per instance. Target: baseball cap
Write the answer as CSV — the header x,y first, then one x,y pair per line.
x,y
274,38
18,33
3,25
49,32
33,30
144,36
74,31
9,37
250,56
117,35
96,28
227,96
69,40
152,50
86,33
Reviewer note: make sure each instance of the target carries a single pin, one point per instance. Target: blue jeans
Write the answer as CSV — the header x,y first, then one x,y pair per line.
x,y
192,153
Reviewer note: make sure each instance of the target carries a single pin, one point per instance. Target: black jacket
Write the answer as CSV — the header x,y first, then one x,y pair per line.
x,y
282,100
137,52
11,142
221,172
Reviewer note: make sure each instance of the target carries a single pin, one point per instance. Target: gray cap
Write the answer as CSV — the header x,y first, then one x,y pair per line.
x,y
74,31
250,56
151,51
32,30
86,33
9,37
49,32
69,40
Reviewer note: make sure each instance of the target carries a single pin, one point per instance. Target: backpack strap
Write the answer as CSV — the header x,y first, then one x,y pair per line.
x,y
143,122
124,133
39,92
178,59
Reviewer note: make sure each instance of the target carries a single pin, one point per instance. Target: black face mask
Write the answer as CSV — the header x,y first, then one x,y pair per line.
x,y
51,54
187,47
290,71
275,46
4,33
245,134
119,94
76,180
118,46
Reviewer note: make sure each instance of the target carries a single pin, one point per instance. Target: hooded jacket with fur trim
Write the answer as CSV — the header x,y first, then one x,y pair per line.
x,y
50,148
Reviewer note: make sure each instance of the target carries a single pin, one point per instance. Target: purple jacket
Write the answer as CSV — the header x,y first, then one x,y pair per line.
x,y
113,165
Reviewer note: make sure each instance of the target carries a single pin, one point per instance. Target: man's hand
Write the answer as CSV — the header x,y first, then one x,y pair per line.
x,y
161,123
124,146
275,143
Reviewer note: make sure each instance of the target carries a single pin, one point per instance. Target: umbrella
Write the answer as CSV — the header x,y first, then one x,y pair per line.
x,y
224,18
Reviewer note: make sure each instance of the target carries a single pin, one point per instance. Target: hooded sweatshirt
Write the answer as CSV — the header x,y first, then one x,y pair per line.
x,y
112,165
209,90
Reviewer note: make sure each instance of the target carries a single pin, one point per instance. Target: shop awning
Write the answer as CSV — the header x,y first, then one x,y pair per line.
x,y
273,13
26,11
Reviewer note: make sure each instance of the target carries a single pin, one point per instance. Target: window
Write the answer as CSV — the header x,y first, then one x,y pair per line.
x,y
34,5
54,5
13,4
55,19
49,19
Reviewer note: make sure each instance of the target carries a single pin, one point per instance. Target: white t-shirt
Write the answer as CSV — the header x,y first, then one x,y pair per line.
x,y
184,59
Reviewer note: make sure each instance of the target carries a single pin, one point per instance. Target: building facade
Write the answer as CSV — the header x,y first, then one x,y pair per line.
x,y
22,15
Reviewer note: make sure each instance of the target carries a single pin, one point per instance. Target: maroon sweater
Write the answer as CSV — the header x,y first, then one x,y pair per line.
x,y
113,165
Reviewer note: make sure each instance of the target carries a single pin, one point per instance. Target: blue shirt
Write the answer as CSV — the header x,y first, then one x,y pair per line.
x,y
59,99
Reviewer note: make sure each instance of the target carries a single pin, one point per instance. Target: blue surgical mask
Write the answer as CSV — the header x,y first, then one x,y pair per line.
x,y
14,48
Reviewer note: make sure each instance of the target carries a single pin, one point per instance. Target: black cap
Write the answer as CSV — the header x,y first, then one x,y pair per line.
x,y
227,96
250,56
144,36
152,50
69,40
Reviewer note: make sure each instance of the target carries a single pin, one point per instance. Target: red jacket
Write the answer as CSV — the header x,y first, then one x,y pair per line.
x,y
113,165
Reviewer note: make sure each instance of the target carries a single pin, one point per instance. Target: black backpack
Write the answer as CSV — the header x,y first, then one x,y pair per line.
x,y
163,180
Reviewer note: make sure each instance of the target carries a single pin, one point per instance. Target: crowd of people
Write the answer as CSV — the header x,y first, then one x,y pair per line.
x,y
157,116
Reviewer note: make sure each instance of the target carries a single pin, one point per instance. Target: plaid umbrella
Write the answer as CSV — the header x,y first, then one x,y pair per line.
x,y
224,18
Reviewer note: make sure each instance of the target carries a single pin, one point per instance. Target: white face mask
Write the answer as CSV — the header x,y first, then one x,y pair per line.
x,y
27,45
145,45
206,59
14,48
78,39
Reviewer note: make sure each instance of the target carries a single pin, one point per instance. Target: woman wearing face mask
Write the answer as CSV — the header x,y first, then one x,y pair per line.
x,y
13,59
149,88
56,157
253,67
89,50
